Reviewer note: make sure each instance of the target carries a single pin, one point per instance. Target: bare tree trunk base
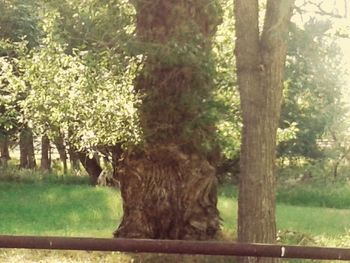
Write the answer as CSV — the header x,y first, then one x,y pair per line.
x,y
168,194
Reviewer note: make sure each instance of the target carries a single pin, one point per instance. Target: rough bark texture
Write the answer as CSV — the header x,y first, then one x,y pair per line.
x,y
26,147
167,184
91,166
168,195
260,68
45,154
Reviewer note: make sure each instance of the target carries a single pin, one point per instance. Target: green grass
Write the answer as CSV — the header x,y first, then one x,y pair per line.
x,y
52,209
314,221
306,214
327,194
81,210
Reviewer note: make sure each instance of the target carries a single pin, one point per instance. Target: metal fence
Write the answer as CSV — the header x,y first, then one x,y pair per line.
x,y
175,247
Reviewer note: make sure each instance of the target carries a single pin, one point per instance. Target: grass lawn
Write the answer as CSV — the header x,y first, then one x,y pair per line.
x,y
82,210
46,208
68,210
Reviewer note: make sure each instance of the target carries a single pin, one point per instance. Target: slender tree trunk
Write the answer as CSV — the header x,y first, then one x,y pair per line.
x,y
61,148
117,152
27,152
167,184
74,158
91,166
260,68
73,154
23,151
45,153
31,152
4,150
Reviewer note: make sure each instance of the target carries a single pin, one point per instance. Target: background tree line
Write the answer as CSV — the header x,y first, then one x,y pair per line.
x,y
65,42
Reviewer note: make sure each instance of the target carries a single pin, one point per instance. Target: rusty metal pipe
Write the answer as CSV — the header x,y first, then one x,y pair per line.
x,y
174,247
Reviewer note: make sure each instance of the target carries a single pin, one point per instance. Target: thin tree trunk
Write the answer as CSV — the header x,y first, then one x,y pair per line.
x,y
31,151
4,150
117,152
26,145
45,153
61,148
74,158
73,155
260,68
167,185
91,166
23,151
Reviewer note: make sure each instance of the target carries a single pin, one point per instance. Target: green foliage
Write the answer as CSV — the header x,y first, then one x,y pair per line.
x,y
227,107
18,20
94,24
87,93
12,89
313,89
69,66
94,102
226,97
177,78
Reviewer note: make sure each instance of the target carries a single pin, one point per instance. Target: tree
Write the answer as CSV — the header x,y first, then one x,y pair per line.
x,y
18,21
4,150
260,62
313,88
45,163
91,166
26,148
167,184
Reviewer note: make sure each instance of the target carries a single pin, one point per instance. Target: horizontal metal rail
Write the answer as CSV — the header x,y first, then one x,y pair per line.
x,y
174,247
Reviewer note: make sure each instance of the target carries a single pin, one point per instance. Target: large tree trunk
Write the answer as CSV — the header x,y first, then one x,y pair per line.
x,y
26,147
168,194
91,166
45,154
168,186
260,68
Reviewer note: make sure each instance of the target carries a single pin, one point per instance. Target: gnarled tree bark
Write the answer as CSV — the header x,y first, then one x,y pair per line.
x,y
167,184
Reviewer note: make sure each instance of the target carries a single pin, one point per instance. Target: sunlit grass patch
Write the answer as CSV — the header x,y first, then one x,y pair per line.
x,y
313,194
313,220
55,209
44,209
